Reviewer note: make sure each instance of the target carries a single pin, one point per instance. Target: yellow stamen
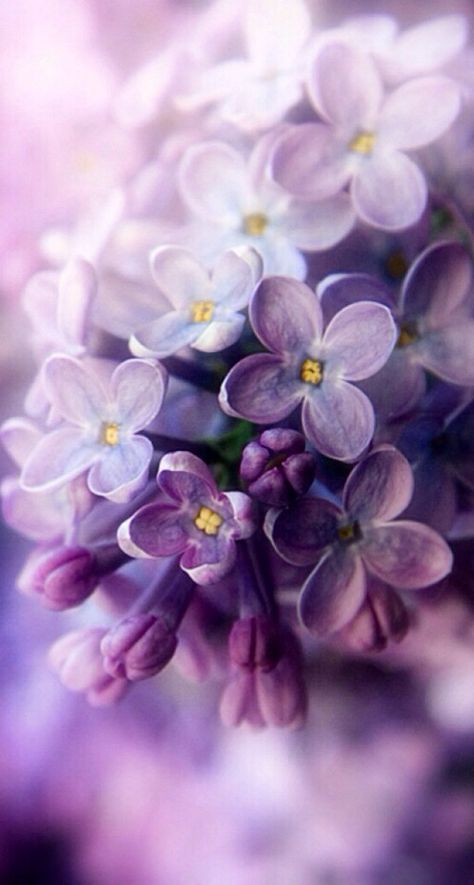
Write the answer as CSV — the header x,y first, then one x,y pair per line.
x,y
362,143
311,371
255,224
349,532
109,433
208,521
202,311
408,335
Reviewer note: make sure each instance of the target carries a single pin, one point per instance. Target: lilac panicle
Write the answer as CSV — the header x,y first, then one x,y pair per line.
x,y
362,537
310,366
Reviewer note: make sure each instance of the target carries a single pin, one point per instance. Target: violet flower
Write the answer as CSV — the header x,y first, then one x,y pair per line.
x,y
365,137
205,306
276,467
99,435
192,518
359,538
311,366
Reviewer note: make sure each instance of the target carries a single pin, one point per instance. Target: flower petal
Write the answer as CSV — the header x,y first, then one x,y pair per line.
x,y
333,593
407,555
310,163
235,277
122,470
339,290
425,47
300,532
19,436
156,530
339,420
138,388
165,335
437,284
214,182
210,561
180,276
220,333
74,392
76,290
316,226
184,477
389,191
418,112
345,87
286,315
380,486
58,457
360,339
261,388
449,353
275,32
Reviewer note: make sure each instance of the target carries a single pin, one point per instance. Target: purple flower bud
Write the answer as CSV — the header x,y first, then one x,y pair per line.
x,y
66,576
382,618
77,660
268,686
138,647
276,467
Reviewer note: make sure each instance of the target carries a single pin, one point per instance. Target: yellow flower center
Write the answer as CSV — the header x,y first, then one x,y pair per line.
x,y
255,224
208,521
396,265
312,371
349,532
109,433
202,311
408,335
362,143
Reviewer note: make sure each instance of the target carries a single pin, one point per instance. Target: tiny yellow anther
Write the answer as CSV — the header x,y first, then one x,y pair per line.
x,y
202,311
255,224
408,335
109,433
362,143
208,521
349,532
311,371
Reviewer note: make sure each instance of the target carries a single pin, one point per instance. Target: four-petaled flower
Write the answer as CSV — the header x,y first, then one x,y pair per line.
x,y
193,518
360,537
101,418
312,367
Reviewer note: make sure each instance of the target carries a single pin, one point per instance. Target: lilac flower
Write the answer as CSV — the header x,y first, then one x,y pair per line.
x,y
312,367
100,433
206,306
77,660
192,518
241,206
434,319
276,467
254,93
365,136
382,618
362,537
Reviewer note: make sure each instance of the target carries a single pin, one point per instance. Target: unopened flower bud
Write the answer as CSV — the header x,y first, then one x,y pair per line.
x,y
138,647
276,467
63,578
253,642
382,618
77,660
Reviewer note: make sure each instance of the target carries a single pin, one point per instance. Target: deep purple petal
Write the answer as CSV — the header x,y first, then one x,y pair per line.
x,y
397,387
406,554
186,478
339,420
333,592
299,533
360,339
261,388
157,530
285,315
138,388
339,290
437,283
345,87
380,486
389,191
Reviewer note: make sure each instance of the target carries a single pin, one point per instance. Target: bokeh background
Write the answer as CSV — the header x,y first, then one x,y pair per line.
x,y
379,786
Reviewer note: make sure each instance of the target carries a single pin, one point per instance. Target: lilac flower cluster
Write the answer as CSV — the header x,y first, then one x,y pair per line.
x,y
239,438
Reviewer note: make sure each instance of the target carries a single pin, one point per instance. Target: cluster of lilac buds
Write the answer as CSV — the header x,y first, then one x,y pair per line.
x,y
251,430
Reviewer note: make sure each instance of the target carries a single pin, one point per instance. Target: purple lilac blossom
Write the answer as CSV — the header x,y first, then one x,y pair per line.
x,y
362,536
276,468
310,366
191,517
100,430
206,307
364,137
